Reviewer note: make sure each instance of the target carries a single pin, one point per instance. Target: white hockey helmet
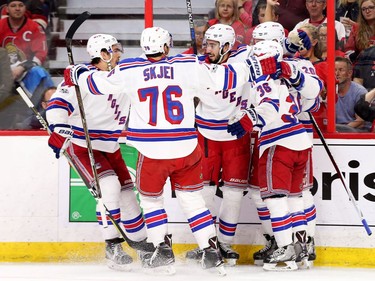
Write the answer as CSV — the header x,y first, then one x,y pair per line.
x,y
153,40
268,47
221,33
269,31
98,42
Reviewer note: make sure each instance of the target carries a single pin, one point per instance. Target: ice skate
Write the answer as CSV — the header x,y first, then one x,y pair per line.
x,y
311,250
116,258
161,260
194,255
282,259
302,255
142,245
212,259
228,254
269,248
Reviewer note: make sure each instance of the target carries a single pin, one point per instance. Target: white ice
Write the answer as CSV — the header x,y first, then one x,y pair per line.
x,y
184,272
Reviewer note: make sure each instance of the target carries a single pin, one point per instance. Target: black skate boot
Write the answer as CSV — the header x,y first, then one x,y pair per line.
x,y
269,248
311,249
282,259
212,258
142,245
194,255
301,250
162,259
228,254
116,258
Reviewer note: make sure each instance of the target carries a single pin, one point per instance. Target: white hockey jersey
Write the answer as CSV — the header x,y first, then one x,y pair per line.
x,y
278,105
215,108
162,114
105,116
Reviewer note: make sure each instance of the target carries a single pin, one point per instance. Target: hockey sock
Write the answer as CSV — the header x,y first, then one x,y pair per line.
x,y
198,216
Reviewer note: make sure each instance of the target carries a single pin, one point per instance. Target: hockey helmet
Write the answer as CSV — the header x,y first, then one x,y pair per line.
x,y
268,47
153,40
98,42
221,33
269,31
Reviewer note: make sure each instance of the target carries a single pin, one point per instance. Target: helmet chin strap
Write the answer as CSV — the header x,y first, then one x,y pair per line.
x,y
221,56
108,62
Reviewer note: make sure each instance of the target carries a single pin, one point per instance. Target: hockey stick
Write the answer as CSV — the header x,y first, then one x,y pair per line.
x,y
44,123
338,171
93,192
68,39
191,26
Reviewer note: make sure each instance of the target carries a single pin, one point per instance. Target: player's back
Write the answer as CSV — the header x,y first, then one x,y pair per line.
x,y
161,123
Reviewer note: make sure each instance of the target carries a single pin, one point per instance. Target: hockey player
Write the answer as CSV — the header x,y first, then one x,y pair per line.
x,y
275,32
106,117
284,148
161,127
225,159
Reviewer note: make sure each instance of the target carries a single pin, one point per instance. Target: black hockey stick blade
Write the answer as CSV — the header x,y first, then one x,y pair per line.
x,y
76,24
72,30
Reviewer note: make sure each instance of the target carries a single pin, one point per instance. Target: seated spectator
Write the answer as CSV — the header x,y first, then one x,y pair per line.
x,y
362,35
347,13
32,122
24,39
348,95
200,27
316,17
322,32
266,13
245,11
290,12
364,69
226,12
37,10
365,108
348,9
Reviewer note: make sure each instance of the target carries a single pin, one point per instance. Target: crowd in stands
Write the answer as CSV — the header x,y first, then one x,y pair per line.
x,y
355,47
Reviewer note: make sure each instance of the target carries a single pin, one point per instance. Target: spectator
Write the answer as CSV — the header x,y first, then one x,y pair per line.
x,y
348,9
316,10
364,69
226,12
24,39
26,44
362,35
245,10
200,27
322,32
348,95
32,122
259,13
365,108
291,12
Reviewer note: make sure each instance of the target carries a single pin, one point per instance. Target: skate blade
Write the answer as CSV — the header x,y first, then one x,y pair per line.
x,y
165,270
219,270
231,262
305,264
119,267
281,266
258,262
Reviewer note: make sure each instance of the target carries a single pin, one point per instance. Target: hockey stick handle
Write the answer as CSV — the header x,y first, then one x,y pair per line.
x,y
338,171
191,25
68,40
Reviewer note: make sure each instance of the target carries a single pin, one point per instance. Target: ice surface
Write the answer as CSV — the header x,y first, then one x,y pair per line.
x,y
185,272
